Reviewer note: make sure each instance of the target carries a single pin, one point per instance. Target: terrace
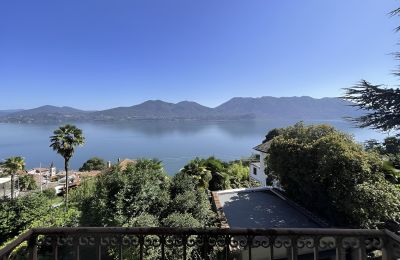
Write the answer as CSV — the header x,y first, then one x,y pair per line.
x,y
181,243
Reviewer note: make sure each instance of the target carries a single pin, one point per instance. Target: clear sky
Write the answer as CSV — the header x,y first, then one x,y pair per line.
x,y
96,54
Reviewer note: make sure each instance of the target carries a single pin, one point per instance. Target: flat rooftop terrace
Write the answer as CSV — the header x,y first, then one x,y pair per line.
x,y
261,209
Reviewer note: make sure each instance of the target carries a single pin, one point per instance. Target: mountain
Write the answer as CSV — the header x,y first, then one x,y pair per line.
x,y
302,108
271,108
9,111
156,109
45,114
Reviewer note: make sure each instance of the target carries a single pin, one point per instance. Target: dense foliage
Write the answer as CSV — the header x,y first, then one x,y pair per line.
x,y
93,164
29,211
328,172
389,150
141,192
27,182
215,174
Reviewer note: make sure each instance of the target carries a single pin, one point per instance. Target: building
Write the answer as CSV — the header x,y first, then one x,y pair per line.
x,y
39,171
266,208
257,169
5,187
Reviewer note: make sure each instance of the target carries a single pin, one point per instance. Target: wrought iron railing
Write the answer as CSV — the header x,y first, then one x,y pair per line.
x,y
182,243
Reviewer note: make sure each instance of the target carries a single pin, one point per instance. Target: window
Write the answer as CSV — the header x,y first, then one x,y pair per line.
x,y
254,171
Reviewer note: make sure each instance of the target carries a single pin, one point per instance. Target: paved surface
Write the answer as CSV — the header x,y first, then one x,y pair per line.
x,y
262,209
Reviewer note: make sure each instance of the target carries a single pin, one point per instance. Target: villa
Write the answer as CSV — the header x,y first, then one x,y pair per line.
x,y
5,187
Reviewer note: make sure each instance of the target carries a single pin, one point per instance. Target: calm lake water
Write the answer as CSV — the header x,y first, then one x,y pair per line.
x,y
173,142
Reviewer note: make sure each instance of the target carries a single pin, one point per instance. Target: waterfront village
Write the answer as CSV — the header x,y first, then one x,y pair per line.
x,y
48,178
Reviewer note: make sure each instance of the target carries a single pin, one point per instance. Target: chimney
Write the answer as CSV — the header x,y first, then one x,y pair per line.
x,y
119,160
109,164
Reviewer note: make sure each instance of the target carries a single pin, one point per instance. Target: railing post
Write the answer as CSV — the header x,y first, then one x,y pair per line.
x,y
227,247
32,247
77,247
120,247
387,250
249,244
292,251
362,252
184,243
316,247
340,252
54,243
205,246
271,247
162,241
141,247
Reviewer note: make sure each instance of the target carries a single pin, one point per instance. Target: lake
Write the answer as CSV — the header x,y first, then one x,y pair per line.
x,y
173,142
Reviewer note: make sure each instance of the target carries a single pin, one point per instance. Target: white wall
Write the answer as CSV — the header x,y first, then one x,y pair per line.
x,y
259,168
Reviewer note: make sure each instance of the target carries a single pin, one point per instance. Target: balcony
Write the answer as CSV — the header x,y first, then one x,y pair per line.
x,y
181,243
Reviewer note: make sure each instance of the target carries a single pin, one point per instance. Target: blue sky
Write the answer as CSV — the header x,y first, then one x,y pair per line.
x,y
96,54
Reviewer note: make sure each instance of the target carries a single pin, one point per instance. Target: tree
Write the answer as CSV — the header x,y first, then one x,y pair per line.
x,y
373,145
93,164
272,133
122,195
392,145
381,104
27,182
325,170
238,175
187,197
18,214
64,141
198,171
12,165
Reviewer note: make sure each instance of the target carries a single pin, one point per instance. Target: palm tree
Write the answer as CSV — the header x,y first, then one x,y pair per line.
x,y
64,141
199,172
12,165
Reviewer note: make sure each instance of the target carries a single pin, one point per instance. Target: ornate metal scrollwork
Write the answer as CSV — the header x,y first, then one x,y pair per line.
x,y
130,240
87,241
109,241
373,243
350,242
327,243
65,241
45,240
285,242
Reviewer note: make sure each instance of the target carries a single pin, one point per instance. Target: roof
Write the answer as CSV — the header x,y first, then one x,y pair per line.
x,y
38,170
88,173
263,147
262,208
125,162
5,179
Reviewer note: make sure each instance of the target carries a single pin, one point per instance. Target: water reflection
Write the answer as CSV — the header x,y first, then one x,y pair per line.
x,y
174,142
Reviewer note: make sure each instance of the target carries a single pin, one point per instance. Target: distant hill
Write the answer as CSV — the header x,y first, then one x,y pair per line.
x,y
9,111
45,114
156,109
300,108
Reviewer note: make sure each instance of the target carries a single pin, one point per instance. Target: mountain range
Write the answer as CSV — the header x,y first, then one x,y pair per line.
x,y
238,108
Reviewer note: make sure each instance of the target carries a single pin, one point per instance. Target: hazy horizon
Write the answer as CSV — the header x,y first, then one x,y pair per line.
x,y
61,105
